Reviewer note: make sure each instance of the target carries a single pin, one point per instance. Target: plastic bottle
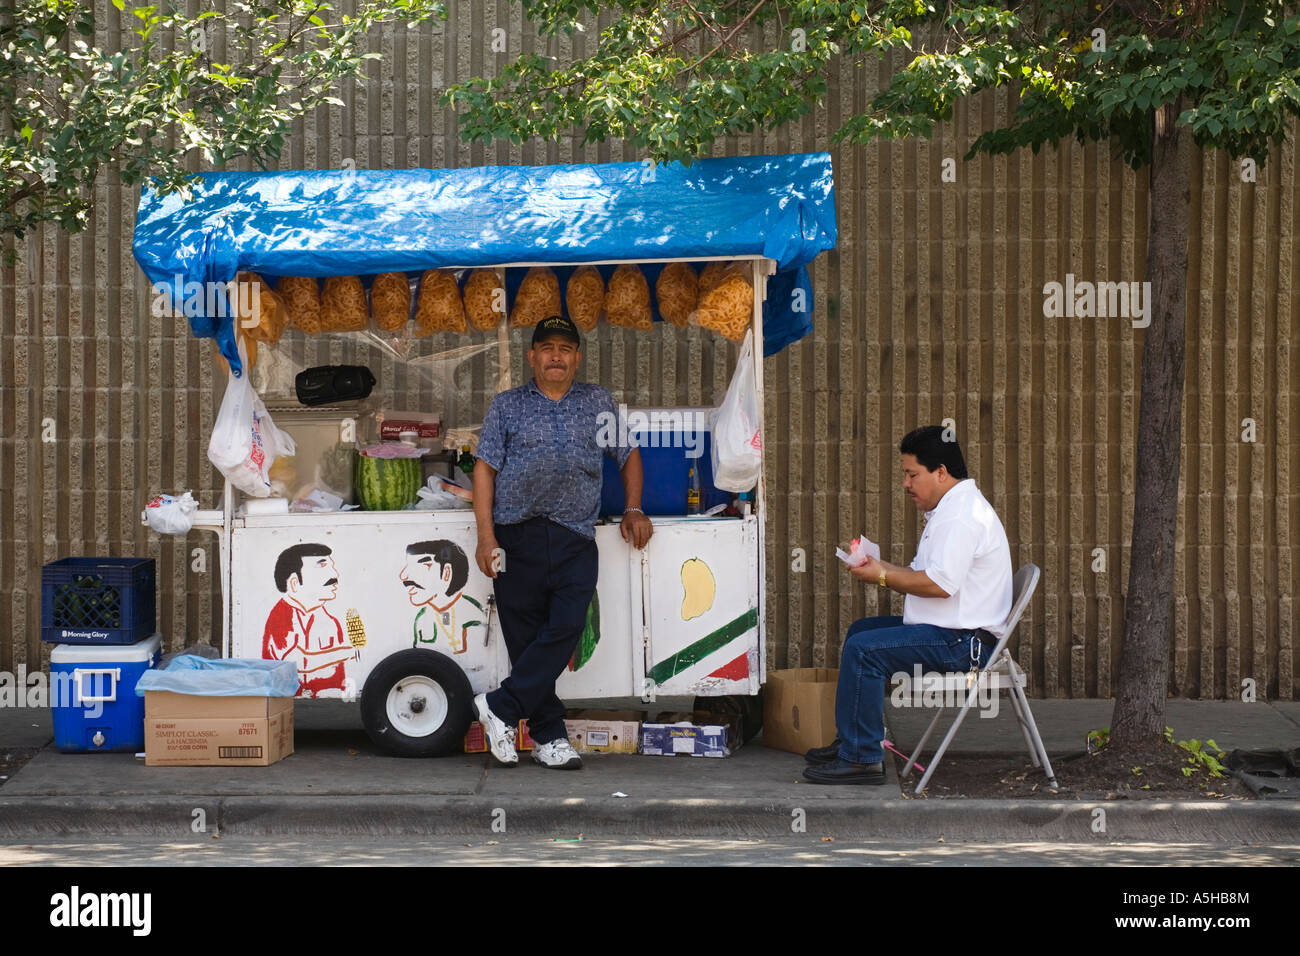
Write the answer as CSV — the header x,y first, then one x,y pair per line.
x,y
466,461
693,492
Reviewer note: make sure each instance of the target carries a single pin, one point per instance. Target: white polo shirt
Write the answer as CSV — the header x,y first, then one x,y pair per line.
x,y
964,550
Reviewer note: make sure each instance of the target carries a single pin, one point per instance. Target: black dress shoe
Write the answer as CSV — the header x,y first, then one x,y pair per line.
x,y
824,754
842,771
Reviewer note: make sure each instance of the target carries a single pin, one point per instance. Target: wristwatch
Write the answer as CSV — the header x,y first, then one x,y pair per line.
x,y
883,582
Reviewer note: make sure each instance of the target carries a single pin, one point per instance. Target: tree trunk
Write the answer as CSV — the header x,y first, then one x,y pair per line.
x,y
1139,716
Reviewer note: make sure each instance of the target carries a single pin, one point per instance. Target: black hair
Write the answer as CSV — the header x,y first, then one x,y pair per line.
x,y
445,552
289,562
931,449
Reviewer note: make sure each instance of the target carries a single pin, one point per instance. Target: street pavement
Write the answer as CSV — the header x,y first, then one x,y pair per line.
x,y
338,786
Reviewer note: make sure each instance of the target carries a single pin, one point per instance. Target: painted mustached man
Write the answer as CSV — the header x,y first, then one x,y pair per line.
x,y
434,576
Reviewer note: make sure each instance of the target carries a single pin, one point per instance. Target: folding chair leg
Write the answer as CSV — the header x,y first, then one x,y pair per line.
x,y
1024,726
911,762
1033,728
952,732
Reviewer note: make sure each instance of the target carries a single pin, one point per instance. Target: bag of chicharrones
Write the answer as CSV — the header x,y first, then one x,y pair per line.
x,y
245,442
737,437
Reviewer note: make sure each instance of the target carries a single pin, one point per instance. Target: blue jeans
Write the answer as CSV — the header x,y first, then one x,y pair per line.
x,y
875,648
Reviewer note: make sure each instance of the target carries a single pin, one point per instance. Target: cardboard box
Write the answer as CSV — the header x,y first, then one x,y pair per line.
x,y
700,735
476,740
604,731
186,730
799,708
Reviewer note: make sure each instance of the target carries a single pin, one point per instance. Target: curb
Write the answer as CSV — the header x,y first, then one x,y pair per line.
x,y
953,821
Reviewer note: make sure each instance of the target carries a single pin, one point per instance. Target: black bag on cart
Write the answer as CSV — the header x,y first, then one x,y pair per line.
x,y
329,384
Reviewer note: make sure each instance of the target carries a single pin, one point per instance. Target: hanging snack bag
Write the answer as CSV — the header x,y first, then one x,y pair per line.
x,y
301,294
484,299
262,314
712,274
585,297
538,297
628,300
343,305
728,306
390,301
677,291
439,307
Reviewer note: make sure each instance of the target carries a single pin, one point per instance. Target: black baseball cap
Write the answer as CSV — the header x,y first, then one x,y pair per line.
x,y
556,325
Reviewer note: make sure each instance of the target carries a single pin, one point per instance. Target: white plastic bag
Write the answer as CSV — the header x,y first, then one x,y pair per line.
x,y
168,514
244,439
438,495
737,437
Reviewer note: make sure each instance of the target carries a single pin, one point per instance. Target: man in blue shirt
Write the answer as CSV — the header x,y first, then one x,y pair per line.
x,y
536,498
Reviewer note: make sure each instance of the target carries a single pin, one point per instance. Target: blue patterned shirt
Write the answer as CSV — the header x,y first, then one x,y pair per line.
x,y
547,454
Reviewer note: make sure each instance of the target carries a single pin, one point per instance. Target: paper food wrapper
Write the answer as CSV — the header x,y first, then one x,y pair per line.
x,y
860,548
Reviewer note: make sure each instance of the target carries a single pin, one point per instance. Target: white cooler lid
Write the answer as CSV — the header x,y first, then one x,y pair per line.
x,y
99,653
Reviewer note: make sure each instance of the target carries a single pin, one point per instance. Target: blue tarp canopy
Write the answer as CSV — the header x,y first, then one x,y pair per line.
x,y
359,222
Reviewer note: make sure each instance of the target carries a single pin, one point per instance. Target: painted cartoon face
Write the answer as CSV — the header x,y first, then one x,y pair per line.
x,y
424,579
320,581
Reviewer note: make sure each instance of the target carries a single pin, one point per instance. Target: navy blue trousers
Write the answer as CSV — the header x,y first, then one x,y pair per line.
x,y
542,596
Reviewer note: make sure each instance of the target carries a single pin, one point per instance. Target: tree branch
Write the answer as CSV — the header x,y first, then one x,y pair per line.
x,y
736,29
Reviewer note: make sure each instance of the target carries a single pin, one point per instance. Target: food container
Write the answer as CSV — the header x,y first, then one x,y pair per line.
x,y
93,701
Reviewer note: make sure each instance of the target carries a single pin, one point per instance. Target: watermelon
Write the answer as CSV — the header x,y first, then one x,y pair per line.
x,y
387,484
590,635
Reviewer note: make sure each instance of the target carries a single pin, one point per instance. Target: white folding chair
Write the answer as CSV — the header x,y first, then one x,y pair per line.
x,y
1001,673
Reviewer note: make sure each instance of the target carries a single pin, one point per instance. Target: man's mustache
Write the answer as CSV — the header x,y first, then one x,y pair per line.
x,y
329,582
412,584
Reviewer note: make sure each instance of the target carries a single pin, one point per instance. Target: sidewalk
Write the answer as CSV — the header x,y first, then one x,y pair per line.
x,y
338,784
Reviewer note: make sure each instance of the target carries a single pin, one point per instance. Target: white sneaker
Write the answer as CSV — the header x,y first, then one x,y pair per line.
x,y
500,736
557,755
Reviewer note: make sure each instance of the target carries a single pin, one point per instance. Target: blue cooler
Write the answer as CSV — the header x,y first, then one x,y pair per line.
x,y
665,463
92,695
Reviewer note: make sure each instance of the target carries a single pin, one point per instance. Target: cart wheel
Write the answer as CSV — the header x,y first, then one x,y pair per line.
x,y
417,703
749,708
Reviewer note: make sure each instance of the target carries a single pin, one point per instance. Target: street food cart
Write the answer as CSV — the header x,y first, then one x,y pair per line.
x,y
389,606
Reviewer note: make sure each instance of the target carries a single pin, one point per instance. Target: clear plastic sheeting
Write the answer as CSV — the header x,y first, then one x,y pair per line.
x,y
410,371
359,222
222,677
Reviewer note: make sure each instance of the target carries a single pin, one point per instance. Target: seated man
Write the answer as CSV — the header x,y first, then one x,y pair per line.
x,y
958,591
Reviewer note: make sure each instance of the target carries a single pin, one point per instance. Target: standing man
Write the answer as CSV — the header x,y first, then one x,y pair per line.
x,y
536,498
958,591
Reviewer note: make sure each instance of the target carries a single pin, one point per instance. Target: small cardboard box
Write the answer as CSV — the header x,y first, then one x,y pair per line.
x,y
476,740
186,730
799,708
700,735
604,731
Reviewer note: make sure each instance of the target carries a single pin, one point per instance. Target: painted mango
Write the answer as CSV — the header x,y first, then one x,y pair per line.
x,y
698,588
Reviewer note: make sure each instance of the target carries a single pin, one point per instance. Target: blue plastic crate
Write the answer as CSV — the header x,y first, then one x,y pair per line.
x,y
98,600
